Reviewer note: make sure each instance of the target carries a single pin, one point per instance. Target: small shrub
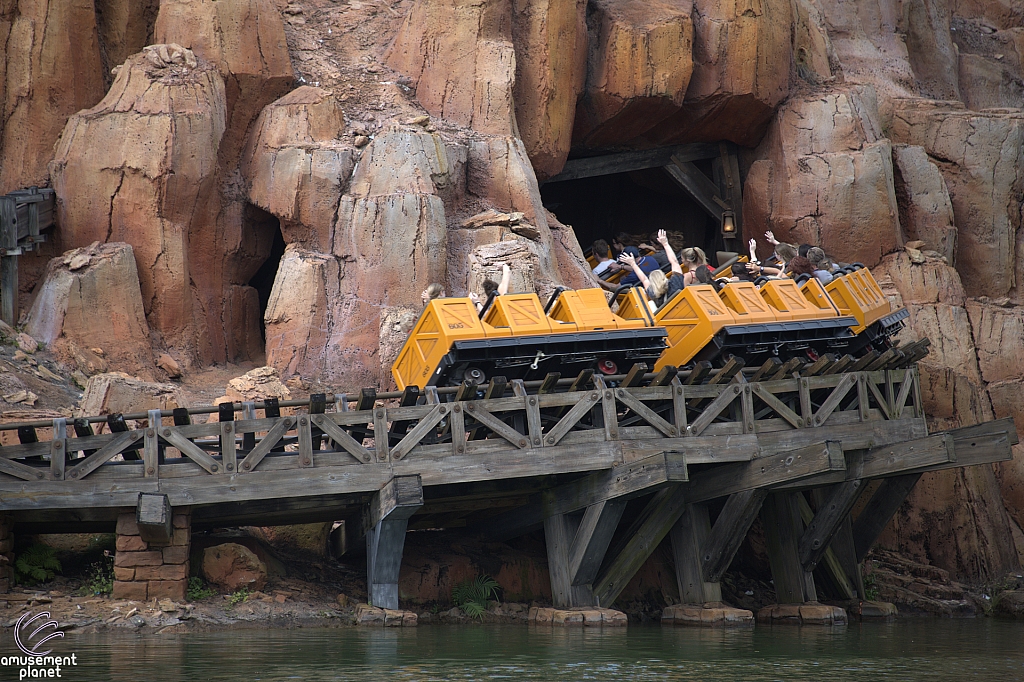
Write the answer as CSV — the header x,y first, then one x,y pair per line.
x,y
198,590
37,564
870,587
100,580
472,595
238,596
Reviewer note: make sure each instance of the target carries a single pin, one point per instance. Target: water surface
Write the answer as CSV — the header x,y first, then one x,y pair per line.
x,y
980,649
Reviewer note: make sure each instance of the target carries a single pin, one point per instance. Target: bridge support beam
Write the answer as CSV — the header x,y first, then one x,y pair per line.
x,y
783,527
689,535
386,520
157,567
6,552
576,547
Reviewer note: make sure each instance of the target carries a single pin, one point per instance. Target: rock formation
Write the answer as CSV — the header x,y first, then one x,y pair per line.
x,y
639,67
132,168
827,178
89,300
50,68
395,146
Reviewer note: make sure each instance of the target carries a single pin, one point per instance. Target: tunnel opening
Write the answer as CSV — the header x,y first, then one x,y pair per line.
x,y
263,280
686,189
638,203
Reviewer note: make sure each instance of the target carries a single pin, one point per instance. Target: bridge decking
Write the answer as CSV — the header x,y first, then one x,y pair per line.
x,y
510,464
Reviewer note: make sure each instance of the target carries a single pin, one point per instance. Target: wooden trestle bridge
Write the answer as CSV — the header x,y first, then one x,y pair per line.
x,y
694,455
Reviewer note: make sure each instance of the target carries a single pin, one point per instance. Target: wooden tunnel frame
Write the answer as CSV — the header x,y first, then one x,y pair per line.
x,y
714,197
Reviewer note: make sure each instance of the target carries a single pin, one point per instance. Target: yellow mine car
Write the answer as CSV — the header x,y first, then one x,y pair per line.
x,y
518,338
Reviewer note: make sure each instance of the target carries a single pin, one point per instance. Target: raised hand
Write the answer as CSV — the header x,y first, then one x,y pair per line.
x,y
770,236
662,238
628,259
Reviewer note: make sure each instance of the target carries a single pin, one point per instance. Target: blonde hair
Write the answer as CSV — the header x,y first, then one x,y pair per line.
x,y
659,283
695,255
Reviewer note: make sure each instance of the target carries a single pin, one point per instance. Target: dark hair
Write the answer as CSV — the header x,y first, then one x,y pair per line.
x,y
625,239
490,286
741,272
703,275
599,249
804,248
801,266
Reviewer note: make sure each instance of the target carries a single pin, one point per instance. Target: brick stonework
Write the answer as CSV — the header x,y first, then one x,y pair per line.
x,y
143,572
6,553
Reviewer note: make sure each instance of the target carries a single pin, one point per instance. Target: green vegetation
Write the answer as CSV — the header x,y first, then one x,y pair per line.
x,y
100,580
37,564
472,595
870,587
238,596
198,590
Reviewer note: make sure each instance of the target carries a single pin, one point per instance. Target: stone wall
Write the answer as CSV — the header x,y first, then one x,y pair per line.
x,y
145,570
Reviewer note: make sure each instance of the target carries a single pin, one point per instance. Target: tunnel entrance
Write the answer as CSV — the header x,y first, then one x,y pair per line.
x,y
689,189
263,280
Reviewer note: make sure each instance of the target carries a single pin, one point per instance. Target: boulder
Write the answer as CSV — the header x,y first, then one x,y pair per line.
x,y
550,39
738,49
981,157
824,176
926,213
1009,604
296,167
459,57
50,68
115,392
638,68
234,567
91,298
132,168
257,384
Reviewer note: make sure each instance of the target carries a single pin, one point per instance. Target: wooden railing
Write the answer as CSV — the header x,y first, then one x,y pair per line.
x,y
667,414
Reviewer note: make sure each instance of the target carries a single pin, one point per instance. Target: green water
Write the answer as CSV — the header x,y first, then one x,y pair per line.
x,y
980,649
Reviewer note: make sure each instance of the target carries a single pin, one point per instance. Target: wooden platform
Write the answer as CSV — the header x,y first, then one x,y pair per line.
x,y
505,460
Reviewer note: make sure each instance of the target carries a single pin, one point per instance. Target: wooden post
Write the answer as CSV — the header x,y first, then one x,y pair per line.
x,y
783,527
559,530
586,553
386,519
153,514
834,507
688,535
8,260
660,515
730,528
875,516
